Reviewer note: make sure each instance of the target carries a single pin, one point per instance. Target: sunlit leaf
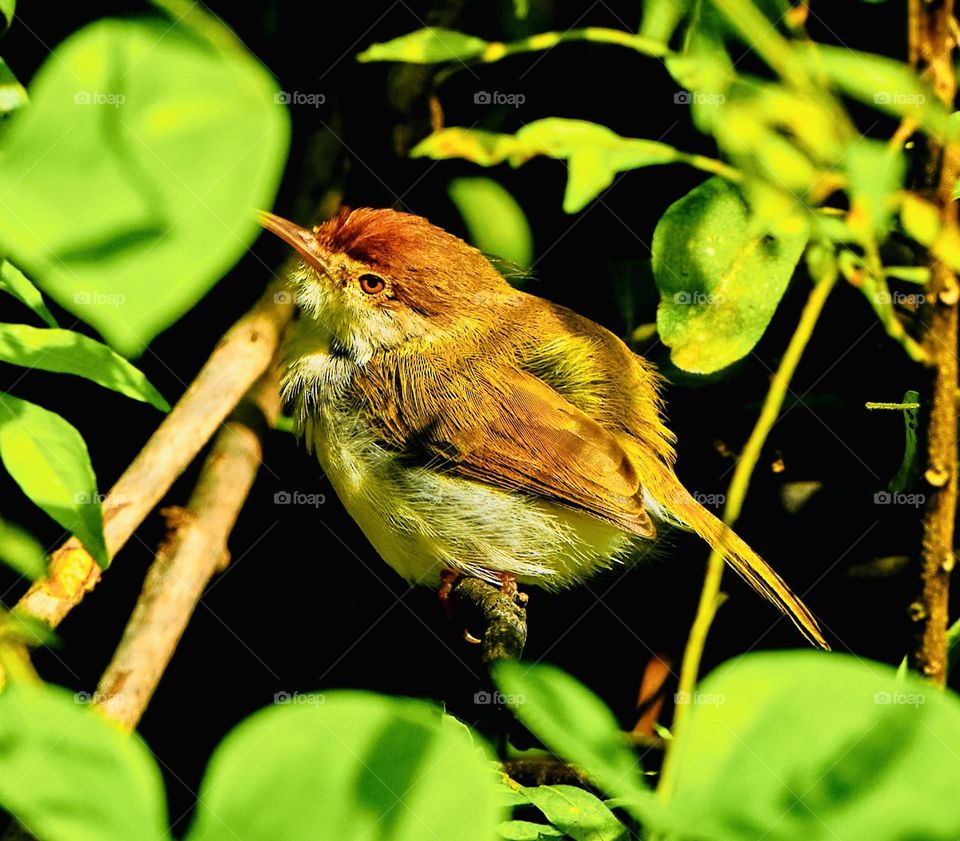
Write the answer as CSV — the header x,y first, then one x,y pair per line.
x,y
69,775
48,459
67,352
14,282
132,176
495,221
876,174
426,46
719,282
808,745
13,95
351,765
581,815
20,551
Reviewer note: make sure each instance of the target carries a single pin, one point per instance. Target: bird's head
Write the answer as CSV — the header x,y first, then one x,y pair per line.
x,y
373,279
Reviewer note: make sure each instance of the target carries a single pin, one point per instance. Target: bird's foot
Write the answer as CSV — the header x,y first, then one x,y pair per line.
x,y
447,579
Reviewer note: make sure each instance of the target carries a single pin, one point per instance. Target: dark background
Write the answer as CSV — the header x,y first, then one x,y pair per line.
x,y
306,603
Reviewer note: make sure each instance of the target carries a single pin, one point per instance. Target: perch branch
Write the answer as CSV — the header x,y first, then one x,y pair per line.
x,y
194,551
710,595
237,361
931,31
502,613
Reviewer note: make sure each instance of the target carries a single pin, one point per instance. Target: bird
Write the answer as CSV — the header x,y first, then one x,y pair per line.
x,y
474,429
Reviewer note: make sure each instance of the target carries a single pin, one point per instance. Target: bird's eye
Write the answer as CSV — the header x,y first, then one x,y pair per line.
x,y
372,284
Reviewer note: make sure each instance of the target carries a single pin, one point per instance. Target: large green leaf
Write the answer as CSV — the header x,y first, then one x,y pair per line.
x,y
573,723
68,775
67,352
7,8
809,745
594,153
355,766
15,283
131,176
719,281
48,459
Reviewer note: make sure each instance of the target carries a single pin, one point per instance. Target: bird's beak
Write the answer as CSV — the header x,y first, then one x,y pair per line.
x,y
302,239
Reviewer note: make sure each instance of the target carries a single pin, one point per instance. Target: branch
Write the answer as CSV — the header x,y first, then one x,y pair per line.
x,y
931,48
194,551
503,614
710,595
237,361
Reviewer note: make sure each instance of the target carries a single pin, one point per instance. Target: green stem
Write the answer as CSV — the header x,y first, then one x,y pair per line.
x,y
497,50
710,595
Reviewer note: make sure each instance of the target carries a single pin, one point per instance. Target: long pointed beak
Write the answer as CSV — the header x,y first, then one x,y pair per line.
x,y
301,239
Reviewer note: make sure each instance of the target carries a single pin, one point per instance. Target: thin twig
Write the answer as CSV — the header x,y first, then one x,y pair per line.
x,y
931,29
185,563
710,596
238,360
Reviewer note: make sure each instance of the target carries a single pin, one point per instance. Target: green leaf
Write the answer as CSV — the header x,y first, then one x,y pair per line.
x,y
594,153
129,183
20,551
48,459
7,8
14,282
875,173
427,46
573,723
355,766
495,221
719,282
13,95
67,352
69,775
578,813
527,831
809,745
883,83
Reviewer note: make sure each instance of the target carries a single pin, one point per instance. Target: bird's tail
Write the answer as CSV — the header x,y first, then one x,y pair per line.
x,y
680,505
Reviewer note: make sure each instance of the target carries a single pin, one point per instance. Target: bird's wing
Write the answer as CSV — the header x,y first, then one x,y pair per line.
x,y
508,428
